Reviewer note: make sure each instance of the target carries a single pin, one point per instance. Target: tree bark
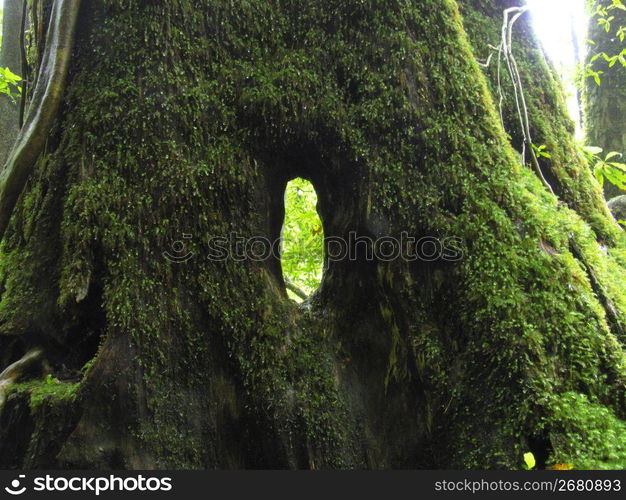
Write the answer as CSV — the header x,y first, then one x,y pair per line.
x,y
185,122
605,104
11,57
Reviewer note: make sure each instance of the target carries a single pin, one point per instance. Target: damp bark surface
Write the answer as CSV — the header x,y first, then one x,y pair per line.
x,y
183,121
10,57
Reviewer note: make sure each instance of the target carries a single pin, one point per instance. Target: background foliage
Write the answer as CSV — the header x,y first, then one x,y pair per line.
x,y
9,81
303,238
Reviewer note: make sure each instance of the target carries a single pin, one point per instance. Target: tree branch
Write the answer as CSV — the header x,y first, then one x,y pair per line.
x,y
299,292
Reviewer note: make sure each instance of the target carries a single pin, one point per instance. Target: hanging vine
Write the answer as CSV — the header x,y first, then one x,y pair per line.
x,y
505,52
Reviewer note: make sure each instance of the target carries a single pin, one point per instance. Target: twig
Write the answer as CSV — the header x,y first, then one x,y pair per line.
x,y
291,286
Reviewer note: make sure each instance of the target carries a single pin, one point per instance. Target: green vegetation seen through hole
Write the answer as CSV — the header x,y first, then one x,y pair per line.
x,y
302,255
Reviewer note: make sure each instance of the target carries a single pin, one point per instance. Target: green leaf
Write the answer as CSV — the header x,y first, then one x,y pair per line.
x,y
612,154
594,150
9,79
529,460
596,57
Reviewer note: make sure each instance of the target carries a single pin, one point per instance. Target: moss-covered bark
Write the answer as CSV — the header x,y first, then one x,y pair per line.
x,y
190,117
550,124
605,104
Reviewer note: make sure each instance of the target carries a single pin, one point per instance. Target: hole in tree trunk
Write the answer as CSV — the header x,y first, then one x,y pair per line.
x,y
541,448
302,248
68,356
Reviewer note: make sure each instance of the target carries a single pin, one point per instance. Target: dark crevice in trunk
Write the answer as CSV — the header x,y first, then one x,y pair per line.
x,y
541,448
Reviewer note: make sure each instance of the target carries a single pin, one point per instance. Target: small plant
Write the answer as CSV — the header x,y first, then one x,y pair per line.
x,y
529,461
51,380
540,151
605,20
9,83
611,60
606,168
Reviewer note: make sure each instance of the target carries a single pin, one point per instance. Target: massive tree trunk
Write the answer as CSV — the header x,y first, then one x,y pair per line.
x,y
605,104
184,121
10,57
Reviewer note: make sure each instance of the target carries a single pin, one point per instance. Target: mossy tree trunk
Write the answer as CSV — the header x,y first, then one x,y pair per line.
x,y
188,118
605,104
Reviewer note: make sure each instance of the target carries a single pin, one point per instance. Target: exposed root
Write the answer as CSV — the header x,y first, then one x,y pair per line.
x,y
611,311
15,371
47,96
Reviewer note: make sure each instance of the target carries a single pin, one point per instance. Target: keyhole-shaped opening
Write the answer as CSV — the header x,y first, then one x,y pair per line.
x,y
302,253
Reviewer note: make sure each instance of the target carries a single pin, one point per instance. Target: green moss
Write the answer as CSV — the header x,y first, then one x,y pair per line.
x,y
597,435
550,123
45,392
53,415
